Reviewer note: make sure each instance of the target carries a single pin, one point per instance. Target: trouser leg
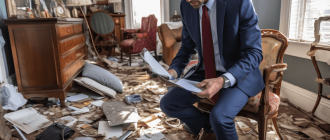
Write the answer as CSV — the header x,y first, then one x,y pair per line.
x,y
178,103
231,101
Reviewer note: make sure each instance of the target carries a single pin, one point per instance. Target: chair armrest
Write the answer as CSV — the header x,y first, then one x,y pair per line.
x,y
264,100
130,31
139,35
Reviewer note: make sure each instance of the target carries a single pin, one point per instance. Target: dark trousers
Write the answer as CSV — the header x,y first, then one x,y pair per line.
x,y
178,103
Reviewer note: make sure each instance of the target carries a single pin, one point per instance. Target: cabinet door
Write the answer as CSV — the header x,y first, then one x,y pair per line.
x,y
34,56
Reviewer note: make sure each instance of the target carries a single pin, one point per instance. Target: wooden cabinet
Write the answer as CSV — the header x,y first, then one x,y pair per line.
x,y
48,54
119,20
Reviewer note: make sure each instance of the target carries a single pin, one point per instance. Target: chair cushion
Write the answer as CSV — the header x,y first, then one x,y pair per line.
x,y
102,76
254,103
96,87
126,44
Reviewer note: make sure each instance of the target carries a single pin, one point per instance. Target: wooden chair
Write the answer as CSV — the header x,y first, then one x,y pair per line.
x,y
102,24
264,105
314,47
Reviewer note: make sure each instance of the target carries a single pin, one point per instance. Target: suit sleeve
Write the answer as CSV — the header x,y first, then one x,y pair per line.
x,y
186,51
250,42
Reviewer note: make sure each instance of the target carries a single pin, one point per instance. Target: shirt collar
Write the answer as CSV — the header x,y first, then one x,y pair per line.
x,y
210,5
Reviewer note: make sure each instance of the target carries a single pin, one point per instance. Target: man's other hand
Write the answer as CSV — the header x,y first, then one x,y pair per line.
x,y
173,73
212,86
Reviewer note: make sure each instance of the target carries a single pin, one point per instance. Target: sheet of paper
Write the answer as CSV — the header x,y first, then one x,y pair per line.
x,y
155,66
77,97
188,85
70,121
98,103
109,131
118,113
28,120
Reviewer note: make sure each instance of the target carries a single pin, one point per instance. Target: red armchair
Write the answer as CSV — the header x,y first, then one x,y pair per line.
x,y
137,39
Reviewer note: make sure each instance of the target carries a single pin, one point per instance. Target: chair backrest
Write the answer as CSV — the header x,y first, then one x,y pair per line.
x,y
144,24
274,44
102,23
152,30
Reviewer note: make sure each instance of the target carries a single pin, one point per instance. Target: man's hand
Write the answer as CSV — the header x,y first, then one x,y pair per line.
x,y
212,86
173,73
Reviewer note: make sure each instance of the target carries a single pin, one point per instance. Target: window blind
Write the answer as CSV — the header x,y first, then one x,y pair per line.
x,y
302,17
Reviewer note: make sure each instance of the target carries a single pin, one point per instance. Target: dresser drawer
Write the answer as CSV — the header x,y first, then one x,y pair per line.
x,y
67,44
72,70
65,30
77,28
68,59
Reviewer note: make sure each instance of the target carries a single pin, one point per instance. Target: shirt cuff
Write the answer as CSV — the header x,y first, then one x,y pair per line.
x,y
231,78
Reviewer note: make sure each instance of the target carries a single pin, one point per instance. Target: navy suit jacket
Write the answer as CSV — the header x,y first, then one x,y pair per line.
x,y
239,40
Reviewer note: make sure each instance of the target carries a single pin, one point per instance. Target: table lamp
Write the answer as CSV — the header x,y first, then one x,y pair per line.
x,y
80,3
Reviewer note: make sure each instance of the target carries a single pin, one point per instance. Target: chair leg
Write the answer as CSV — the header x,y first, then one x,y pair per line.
x,y
262,127
130,59
121,56
276,128
317,101
156,54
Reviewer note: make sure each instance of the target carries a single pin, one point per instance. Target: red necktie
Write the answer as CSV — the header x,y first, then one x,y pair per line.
x,y
208,50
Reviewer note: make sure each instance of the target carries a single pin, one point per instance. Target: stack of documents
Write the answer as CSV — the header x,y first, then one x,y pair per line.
x,y
159,70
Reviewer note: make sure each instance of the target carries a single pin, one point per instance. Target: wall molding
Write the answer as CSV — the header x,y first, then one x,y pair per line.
x,y
305,100
300,49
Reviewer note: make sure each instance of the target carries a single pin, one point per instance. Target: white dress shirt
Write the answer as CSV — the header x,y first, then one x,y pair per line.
x,y
211,6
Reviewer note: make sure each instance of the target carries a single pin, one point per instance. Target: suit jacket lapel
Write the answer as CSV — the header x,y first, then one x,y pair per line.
x,y
221,11
196,28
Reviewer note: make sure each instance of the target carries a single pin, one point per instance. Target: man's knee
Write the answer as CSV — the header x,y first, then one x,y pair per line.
x,y
220,118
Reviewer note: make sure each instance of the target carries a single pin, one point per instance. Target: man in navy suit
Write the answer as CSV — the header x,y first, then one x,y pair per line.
x,y
226,36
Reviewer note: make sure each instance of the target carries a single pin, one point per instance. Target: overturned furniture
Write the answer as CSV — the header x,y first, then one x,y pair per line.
x,y
264,105
314,47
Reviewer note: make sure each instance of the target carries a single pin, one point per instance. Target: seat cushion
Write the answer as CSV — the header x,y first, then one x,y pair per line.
x,y
102,76
126,44
254,103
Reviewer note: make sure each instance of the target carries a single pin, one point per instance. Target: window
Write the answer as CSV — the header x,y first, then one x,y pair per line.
x,y
302,17
140,9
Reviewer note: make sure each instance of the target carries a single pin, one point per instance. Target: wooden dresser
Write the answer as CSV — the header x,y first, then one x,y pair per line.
x,y
48,54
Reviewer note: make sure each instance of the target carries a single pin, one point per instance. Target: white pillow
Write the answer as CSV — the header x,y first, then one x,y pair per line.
x,y
95,86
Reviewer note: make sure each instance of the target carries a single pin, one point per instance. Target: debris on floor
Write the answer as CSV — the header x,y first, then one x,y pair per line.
x,y
96,112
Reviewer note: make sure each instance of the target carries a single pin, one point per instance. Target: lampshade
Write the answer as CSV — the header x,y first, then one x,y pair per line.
x,y
78,2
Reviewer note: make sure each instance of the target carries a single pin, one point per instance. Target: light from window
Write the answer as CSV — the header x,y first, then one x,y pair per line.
x,y
303,15
140,9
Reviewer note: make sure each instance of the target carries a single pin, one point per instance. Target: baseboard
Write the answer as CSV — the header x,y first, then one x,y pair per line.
x,y
306,100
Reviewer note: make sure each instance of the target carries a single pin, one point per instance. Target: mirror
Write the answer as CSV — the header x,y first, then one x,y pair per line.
x,y
102,23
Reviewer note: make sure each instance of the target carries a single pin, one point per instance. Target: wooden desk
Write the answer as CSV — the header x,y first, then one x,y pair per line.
x,y
48,54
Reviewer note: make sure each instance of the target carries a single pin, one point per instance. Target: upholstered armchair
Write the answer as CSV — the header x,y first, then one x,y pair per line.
x,y
137,39
171,41
264,105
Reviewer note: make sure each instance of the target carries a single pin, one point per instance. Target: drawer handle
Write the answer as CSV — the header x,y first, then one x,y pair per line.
x,y
68,30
